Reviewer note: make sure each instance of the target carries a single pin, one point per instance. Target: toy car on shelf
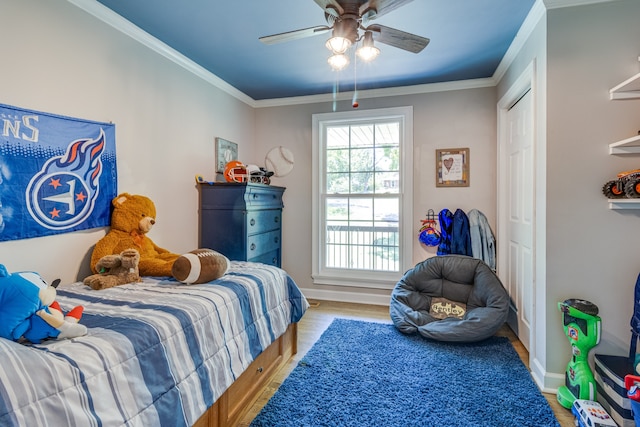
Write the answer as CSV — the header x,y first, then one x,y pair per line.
x,y
589,413
627,185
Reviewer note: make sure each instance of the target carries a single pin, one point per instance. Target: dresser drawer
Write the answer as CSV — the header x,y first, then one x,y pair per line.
x,y
271,258
226,195
259,244
263,220
265,196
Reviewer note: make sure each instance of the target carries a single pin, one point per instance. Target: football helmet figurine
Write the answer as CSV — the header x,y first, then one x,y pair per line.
x,y
235,171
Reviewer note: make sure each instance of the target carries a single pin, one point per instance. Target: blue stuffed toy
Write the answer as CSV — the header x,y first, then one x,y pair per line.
x,y
29,310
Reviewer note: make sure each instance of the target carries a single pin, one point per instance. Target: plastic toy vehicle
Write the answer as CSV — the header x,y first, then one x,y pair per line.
x,y
589,413
627,185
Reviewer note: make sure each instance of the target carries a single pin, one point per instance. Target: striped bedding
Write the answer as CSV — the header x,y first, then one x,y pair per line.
x,y
158,353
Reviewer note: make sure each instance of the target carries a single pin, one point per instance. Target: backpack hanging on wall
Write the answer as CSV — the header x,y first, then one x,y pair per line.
x,y
429,235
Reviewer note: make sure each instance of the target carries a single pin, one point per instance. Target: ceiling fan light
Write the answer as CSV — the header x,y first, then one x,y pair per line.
x,y
368,53
338,61
338,44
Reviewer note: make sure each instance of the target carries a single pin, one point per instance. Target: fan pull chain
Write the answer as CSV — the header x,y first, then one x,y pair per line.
x,y
336,89
354,101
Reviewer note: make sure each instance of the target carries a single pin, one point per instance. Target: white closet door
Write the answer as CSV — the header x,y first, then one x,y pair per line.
x,y
520,218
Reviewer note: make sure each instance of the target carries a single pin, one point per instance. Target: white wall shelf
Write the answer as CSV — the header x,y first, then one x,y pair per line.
x,y
628,89
626,146
624,203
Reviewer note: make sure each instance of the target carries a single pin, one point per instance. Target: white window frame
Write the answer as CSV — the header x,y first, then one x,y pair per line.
x,y
363,278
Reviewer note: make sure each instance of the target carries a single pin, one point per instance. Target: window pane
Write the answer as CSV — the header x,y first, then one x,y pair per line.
x,y
337,137
387,182
362,183
337,209
387,159
388,133
337,183
361,210
338,160
387,212
362,136
362,159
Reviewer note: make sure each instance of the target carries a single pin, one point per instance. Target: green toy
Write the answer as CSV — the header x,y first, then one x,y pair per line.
x,y
582,327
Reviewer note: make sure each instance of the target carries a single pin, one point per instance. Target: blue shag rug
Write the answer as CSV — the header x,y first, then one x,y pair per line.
x,y
370,374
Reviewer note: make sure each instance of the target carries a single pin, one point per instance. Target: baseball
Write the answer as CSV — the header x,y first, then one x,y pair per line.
x,y
279,160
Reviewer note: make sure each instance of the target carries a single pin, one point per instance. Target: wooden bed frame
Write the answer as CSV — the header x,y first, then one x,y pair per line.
x,y
236,401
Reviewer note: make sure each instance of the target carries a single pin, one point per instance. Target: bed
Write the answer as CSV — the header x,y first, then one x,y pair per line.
x,y
157,353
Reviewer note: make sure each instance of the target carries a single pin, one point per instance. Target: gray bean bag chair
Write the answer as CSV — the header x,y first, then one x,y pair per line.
x,y
450,298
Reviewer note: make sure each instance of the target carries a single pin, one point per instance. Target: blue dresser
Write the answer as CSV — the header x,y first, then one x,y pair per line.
x,y
242,221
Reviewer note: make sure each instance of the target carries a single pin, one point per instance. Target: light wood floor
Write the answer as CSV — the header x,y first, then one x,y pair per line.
x,y
318,318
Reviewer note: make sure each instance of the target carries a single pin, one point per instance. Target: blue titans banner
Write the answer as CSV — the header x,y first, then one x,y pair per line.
x,y
57,174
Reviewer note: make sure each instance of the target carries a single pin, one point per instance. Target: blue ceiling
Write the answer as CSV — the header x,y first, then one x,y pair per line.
x,y
468,40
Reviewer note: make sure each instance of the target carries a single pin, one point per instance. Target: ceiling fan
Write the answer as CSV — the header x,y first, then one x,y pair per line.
x,y
346,18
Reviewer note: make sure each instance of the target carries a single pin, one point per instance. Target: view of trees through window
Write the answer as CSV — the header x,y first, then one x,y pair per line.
x,y
361,196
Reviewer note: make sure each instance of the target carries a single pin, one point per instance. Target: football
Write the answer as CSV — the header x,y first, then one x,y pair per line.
x,y
200,266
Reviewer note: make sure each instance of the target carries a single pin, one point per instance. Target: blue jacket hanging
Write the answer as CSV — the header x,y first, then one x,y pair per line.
x,y
460,234
446,223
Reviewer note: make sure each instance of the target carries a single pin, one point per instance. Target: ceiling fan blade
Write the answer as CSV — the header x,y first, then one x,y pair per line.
x,y
332,7
396,38
373,9
294,35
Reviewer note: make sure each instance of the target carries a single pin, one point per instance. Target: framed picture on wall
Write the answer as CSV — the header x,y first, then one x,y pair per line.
x,y
452,167
226,151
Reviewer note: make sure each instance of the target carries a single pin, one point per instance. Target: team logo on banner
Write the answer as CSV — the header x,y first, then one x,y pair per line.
x,y
57,174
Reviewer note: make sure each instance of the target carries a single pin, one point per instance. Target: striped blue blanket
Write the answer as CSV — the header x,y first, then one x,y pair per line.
x,y
158,353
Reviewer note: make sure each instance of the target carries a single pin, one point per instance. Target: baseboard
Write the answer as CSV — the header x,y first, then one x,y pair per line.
x,y
352,297
548,382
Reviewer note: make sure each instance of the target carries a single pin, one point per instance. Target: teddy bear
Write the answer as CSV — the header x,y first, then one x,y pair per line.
x,y
30,312
132,218
115,270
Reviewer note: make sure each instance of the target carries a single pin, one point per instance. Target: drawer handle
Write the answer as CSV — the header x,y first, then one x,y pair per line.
x,y
253,247
276,219
276,239
275,261
260,369
252,222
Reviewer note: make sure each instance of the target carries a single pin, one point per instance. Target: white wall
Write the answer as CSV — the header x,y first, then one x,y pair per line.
x,y
592,252
59,59
461,118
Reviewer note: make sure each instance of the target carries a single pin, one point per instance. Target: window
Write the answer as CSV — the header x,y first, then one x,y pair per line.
x,y
362,197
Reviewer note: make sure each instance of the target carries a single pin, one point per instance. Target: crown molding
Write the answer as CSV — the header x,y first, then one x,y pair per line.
x,y
556,4
378,93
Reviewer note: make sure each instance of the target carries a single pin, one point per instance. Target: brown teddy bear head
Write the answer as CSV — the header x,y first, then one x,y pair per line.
x,y
133,212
